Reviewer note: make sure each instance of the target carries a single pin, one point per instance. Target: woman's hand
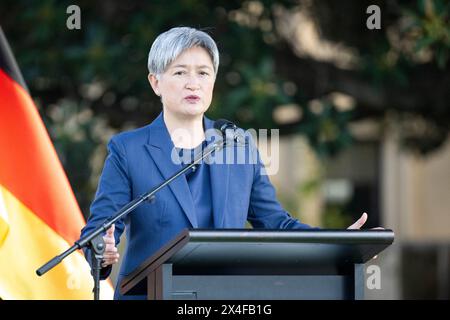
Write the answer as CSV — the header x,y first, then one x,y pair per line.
x,y
110,256
359,223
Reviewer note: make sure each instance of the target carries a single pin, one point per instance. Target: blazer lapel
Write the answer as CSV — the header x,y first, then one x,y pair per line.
x,y
160,148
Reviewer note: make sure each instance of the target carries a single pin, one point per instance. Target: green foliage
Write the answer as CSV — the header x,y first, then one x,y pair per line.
x,y
326,128
253,95
431,27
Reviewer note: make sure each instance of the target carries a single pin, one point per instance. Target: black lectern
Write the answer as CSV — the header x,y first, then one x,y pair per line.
x,y
259,264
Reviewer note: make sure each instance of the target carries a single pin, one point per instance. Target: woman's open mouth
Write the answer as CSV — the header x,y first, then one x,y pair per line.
x,y
192,99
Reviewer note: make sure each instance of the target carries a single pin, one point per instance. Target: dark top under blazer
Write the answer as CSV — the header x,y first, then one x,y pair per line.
x,y
140,159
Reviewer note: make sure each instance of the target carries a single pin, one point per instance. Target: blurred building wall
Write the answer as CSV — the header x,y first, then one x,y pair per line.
x,y
416,195
416,204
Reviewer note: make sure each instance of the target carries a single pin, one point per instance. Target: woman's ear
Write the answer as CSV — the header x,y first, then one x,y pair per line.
x,y
154,82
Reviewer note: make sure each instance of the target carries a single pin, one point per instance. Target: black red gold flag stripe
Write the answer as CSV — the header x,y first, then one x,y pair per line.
x,y
39,215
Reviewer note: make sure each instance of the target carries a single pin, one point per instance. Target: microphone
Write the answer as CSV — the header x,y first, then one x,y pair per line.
x,y
228,130
223,124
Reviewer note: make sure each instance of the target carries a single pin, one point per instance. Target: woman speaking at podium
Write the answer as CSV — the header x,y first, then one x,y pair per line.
x,y
183,64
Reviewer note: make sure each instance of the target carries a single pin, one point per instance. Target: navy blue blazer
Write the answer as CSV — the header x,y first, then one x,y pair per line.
x,y
140,159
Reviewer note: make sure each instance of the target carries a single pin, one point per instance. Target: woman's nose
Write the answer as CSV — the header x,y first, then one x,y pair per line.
x,y
192,83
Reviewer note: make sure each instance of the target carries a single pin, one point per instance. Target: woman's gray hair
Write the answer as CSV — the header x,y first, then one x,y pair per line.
x,y
170,44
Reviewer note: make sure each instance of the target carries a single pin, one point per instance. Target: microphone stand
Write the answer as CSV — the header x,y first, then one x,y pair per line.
x,y
94,240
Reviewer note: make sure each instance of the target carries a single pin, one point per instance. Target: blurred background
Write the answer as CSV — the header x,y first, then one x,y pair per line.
x,y
364,114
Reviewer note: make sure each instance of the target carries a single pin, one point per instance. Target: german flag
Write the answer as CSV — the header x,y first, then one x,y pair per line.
x,y
39,215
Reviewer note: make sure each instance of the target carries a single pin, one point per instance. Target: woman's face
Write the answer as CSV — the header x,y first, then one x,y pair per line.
x,y
186,86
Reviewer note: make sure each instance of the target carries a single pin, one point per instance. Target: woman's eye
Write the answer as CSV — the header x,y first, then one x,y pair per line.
x,y
179,73
203,73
